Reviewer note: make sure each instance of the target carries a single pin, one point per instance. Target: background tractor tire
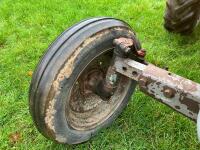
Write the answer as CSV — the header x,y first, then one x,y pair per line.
x,y
182,16
60,107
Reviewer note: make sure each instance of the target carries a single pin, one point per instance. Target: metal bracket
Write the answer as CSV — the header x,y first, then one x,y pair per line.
x,y
181,94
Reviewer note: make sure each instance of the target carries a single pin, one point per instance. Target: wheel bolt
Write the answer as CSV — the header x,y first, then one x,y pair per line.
x,y
169,93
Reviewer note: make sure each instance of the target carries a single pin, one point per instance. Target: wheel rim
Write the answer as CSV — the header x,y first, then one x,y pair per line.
x,y
85,110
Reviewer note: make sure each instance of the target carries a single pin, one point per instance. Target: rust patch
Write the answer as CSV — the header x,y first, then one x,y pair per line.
x,y
176,92
141,53
125,41
192,105
177,107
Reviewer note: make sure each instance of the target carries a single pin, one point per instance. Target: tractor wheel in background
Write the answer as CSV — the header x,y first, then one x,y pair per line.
x,y
182,16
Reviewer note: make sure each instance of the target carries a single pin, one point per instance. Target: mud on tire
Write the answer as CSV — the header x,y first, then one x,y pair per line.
x,y
181,16
59,108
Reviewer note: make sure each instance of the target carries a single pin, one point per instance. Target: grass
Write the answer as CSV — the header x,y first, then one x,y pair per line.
x,y
26,30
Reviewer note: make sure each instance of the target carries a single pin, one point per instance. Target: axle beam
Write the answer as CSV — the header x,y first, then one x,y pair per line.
x,y
181,94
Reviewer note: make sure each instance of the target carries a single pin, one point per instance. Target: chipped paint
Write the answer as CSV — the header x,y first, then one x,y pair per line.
x,y
182,94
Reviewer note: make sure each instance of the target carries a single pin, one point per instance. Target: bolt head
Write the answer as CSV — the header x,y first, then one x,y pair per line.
x,y
169,93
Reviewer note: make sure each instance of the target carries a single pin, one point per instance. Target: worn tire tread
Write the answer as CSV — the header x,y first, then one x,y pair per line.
x,y
48,67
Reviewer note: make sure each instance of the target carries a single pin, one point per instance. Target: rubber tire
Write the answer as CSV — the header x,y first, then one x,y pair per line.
x,y
182,16
47,97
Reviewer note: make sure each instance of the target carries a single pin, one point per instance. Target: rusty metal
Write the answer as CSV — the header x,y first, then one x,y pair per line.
x,y
90,80
141,53
123,47
179,93
125,42
94,81
126,46
129,68
106,87
86,109
169,93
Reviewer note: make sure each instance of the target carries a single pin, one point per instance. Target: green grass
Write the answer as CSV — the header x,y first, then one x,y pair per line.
x,y
28,27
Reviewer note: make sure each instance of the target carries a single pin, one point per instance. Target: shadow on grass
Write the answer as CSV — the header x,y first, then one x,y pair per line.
x,y
55,146
191,38
183,45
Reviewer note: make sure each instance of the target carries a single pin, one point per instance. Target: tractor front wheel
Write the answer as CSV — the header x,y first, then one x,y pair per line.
x,y
62,102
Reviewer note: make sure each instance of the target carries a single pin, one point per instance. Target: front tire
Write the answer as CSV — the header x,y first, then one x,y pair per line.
x,y
57,104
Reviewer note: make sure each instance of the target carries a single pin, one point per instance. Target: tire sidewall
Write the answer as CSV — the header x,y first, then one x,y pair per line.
x,y
63,132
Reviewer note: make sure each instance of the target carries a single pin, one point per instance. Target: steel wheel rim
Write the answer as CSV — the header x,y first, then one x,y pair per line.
x,y
91,111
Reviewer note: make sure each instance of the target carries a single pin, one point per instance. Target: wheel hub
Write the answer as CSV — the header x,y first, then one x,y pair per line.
x,y
86,108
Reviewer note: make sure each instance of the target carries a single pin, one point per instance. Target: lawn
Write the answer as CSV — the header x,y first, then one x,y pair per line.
x,y
26,30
